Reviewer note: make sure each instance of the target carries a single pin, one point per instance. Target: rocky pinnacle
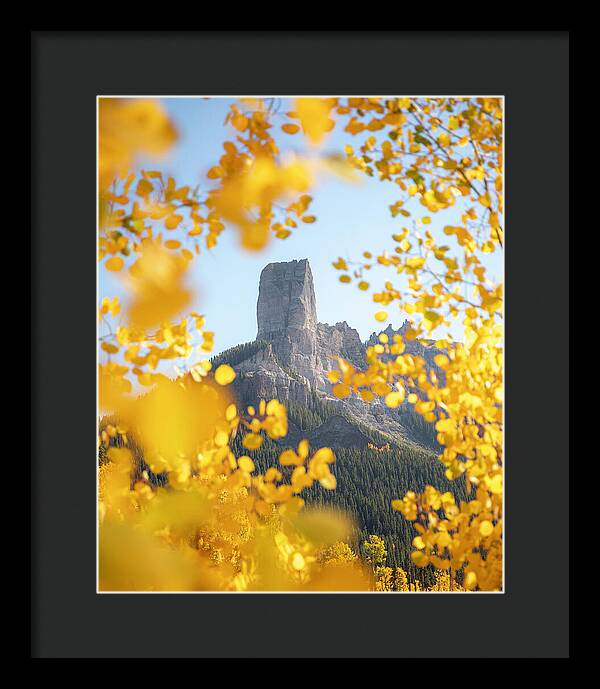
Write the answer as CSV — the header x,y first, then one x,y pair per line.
x,y
298,351
286,298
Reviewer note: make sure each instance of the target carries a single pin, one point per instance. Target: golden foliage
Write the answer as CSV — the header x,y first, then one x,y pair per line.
x,y
128,128
218,523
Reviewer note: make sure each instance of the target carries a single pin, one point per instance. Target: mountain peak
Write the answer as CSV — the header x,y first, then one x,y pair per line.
x,y
293,354
286,298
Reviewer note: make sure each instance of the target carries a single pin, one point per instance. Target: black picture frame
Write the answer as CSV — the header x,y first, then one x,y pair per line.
x,y
68,618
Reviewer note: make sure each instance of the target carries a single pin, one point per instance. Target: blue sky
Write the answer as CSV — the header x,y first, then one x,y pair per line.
x,y
350,219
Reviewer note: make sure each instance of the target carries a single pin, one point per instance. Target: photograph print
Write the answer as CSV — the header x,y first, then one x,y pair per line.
x,y
300,344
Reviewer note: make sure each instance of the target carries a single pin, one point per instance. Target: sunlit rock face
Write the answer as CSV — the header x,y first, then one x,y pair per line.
x,y
299,351
287,318
286,299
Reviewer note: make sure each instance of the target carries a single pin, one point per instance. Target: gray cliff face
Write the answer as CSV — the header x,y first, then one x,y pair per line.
x,y
287,318
262,377
286,299
300,351
340,340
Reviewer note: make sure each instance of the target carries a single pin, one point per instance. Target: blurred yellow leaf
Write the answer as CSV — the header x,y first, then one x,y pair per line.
x,y
114,264
128,128
314,117
155,282
224,375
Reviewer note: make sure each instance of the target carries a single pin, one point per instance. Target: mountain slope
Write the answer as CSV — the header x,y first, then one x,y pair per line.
x,y
293,352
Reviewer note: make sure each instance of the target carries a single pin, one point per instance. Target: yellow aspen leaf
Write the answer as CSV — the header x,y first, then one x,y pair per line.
x,y
354,126
470,581
155,281
328,481
144,188
333,376
246,464
172,244
486,528
303,449
197,373
443,539
496,484
345,278
362,285
290,128
318,470
419,558
172,221
240,122
290,458
252,441
445,425
215,172
341,391
374,125
416,262
380,388
126,128
272,474
394,399
221,439
313,114
109,348
432,316
111,306
224,375
114,264
309,219
367,395
324,454
381,316
411,334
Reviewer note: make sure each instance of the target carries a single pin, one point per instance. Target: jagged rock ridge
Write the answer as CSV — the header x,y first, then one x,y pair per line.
x,y
298,352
